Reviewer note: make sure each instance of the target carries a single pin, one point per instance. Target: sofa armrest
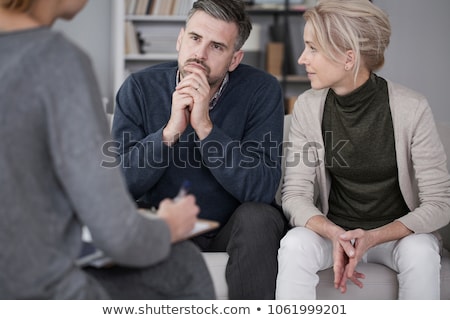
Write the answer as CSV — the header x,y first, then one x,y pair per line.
x,y
444,133
445,235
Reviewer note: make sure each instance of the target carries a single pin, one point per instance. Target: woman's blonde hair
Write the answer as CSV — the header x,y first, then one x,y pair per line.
x,y
17,5
357,25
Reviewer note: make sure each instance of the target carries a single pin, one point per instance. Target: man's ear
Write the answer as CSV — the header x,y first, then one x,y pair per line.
x,y
180,37
237,58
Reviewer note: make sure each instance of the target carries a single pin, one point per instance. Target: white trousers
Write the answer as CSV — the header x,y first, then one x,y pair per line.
x,y
303,253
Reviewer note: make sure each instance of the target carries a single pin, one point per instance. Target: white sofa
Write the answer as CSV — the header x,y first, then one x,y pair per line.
x,y
380,281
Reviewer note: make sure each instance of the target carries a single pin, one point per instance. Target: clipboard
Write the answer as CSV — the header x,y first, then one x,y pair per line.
x,y
201,226
90,256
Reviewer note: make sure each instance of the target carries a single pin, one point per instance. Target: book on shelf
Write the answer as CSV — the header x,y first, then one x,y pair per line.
x,y
132,45
165,8
163,41
136,7
155,8
158,45
183,6
158,7
142,7
171,7
130,6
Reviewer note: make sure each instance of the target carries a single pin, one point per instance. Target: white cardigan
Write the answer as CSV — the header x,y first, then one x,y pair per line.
x,y
421,160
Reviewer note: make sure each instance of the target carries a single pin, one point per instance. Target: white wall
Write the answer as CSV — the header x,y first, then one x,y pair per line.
x,y
91,30
418,56
419,52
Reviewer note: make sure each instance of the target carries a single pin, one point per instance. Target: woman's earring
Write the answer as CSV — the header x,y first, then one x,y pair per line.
x,y
346,68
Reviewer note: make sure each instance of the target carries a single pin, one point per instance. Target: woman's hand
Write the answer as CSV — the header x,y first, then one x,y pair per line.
x,y
180,215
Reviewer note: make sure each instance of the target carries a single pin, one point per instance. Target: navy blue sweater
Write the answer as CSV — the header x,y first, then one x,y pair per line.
x,y
238,162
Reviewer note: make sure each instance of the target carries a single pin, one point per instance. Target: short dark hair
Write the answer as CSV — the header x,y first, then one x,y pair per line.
x,y
229,11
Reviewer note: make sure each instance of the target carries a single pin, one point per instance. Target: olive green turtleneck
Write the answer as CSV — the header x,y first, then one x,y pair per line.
x,y
360,157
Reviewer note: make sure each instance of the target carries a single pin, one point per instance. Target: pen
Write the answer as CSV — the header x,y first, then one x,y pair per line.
x,y
184,189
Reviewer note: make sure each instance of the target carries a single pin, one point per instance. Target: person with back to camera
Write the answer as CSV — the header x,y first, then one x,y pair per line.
x,y
217,123
370,180
53,126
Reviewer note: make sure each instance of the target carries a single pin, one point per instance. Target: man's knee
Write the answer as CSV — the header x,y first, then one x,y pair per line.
x,y
259,216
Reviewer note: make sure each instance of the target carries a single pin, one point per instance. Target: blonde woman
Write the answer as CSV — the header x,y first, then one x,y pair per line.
x,y
370,181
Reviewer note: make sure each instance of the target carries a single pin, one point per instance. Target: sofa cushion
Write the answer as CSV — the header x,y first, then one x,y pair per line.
x,y
445,275
216,263
380,284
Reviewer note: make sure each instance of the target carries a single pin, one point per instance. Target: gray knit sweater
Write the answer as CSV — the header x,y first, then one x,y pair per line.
x,y
52,181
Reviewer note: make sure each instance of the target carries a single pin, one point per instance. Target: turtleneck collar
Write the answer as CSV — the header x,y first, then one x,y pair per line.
x,y
358,97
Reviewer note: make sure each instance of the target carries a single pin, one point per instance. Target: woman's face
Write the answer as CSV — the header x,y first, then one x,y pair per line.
x,y
322,71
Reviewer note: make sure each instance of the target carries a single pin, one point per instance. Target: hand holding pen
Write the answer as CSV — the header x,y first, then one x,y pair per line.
x,y
180,213
184,190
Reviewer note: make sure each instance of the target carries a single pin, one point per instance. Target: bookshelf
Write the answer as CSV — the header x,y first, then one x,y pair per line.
x,y
158,29
283,18
144,17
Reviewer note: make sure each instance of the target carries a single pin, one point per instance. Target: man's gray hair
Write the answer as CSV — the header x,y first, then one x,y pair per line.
x,y
229,11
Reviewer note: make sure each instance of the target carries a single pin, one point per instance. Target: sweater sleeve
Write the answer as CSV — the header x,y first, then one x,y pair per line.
x,y
428,172
140,152
77,130
250,169
302,160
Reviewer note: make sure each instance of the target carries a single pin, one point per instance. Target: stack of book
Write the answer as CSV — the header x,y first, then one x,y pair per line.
x,y
163,41
145,40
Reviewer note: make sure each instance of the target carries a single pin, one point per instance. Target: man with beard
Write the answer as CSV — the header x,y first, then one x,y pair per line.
x,y
217,123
